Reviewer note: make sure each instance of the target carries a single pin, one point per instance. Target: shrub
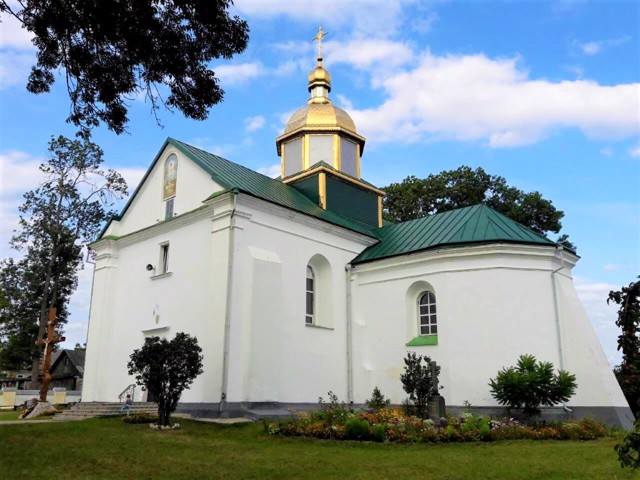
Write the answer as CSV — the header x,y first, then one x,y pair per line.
x,y
166,368
485,431
377,433
333,412
418,381
531,384
140,418
356,429
629,450
377,400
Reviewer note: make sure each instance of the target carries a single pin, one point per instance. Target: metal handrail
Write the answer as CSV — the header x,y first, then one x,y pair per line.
x,y
129,390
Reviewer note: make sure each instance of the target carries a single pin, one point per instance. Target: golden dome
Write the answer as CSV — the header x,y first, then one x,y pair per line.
x,y
320,116
320,74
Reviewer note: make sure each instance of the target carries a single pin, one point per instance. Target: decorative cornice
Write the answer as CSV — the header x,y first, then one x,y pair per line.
x,y
505,250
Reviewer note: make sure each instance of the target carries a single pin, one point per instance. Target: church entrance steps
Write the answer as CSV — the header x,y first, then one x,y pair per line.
x,y
104,409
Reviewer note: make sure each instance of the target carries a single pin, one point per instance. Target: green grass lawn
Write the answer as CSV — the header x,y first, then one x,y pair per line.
x,y
108,448
8,415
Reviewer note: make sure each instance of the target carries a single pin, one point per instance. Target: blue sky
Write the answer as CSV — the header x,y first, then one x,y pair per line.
x,y
546,94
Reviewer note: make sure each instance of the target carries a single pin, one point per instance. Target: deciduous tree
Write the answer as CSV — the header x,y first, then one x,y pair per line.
x,y
111,51
417,197
60,216
628,373
166,368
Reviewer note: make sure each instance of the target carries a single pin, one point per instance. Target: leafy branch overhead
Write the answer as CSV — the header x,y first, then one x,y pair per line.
x,y
112,51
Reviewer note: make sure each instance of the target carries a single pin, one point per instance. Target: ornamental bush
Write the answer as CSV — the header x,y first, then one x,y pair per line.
x,y
391,424
419,381
531,384
357,429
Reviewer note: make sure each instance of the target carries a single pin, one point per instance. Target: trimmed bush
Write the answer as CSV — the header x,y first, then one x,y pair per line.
x,y
377,433
357,429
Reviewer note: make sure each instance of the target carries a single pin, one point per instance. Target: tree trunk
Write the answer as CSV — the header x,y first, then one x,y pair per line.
x,y
44,304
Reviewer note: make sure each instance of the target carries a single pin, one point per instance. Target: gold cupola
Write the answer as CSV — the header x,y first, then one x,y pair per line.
x,y
319,131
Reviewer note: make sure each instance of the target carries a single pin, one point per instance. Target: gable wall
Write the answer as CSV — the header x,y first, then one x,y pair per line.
x,y
127,298
193,186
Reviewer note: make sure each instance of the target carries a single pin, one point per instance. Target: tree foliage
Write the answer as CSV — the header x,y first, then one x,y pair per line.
x,y
418,381
629,450
531,384
628,373
56,219
112,51
22,284
418,197
377,400
166,368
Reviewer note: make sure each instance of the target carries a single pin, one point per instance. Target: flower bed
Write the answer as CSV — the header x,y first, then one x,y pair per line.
x,y
394,425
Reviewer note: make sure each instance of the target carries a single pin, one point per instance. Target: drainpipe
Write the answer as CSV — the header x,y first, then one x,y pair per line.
x,y
227,316
349,336
556,312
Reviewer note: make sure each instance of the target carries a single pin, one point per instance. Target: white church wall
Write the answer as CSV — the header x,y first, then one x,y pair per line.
x,y
583,353
494,304
274,355
193,186
130,303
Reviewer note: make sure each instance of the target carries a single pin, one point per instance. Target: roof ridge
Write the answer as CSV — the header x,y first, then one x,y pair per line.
x,y
222,158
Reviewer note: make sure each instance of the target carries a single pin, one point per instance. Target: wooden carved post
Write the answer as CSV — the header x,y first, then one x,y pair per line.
x,y
48,343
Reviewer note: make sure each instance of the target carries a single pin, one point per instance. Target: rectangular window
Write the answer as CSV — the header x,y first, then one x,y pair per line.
x,y
168,212
164,258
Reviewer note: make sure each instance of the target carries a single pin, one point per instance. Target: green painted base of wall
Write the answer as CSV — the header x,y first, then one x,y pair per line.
x,y
423,340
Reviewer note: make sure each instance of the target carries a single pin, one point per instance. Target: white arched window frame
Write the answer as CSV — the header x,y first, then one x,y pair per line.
x,y
427,314
310,296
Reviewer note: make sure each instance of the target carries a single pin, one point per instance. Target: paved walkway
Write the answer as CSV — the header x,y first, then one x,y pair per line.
x,y
220,421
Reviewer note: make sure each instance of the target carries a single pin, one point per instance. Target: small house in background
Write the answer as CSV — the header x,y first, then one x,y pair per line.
x,y
67,369
15,379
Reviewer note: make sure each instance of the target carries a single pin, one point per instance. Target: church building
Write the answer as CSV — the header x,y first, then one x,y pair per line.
x,y
296,286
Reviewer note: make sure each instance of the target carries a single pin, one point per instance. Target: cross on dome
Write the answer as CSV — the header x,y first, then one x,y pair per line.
x,y
319,36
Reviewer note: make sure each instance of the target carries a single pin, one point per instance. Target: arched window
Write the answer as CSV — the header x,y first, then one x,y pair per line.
x,y
311,300
427,317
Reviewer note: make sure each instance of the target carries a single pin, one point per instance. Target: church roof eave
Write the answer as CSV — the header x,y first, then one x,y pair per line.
x,y
462,227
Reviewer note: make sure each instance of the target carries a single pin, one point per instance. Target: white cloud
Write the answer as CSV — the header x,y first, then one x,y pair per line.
x,y
132,175
238,73
635,151
424,24
344,102
366,53
595,47
12,35
251,124
15,67
477,98
611,267
272,171
362,16
18,173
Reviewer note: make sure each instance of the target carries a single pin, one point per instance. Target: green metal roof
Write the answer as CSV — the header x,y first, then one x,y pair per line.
x,y
461,227
232,176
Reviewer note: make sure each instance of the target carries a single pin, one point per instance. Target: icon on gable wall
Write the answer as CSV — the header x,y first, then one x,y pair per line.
x,y
170,176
